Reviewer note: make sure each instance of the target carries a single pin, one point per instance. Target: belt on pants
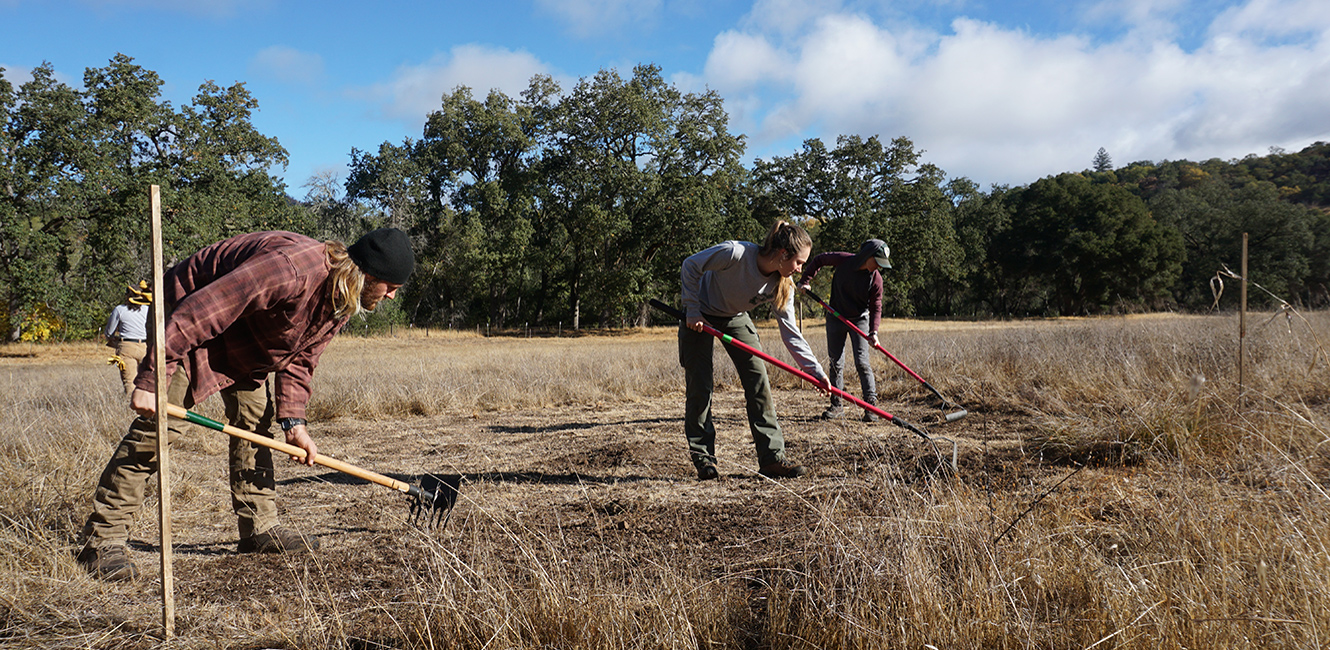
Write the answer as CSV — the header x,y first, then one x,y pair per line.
x,y
134,340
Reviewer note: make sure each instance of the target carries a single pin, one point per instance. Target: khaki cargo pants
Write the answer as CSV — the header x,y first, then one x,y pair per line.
x,y
120,491
132,352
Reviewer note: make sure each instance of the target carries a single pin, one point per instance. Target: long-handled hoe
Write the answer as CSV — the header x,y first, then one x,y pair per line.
x,y
814,381
431,502
946,403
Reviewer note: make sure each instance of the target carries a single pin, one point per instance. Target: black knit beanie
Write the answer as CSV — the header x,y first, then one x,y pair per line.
x,y
385,254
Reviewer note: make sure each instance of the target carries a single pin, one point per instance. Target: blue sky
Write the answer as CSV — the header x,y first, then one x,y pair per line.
x,y
1000,92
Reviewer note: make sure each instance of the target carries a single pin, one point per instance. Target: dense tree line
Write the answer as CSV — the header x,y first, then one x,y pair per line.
x,y
572,207
568,207
74,170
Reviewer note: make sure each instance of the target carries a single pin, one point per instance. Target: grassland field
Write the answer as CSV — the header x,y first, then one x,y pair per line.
x,y
1114,489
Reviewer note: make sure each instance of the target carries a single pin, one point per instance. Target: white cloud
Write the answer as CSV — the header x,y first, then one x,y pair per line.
x,y
417,90
16,75
738,62
591,17
848,65
1275,18
1001,105
1145,18
288,65
788,17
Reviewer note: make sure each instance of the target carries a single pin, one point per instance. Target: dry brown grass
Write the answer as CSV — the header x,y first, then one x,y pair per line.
x,y
1199,520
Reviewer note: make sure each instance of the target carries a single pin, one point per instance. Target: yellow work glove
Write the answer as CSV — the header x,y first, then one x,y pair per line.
x,y
117,361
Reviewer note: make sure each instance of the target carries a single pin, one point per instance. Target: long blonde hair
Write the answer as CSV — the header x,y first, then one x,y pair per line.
x,y
348,281
790,239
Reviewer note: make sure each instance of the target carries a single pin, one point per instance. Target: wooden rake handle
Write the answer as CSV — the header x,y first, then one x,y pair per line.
x,y
292,450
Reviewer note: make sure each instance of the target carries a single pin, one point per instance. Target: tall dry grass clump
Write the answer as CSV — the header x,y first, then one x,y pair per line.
x,y
1110,390
57,422
1106,563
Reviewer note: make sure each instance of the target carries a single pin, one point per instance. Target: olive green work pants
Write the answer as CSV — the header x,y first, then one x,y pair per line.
x,y
696,358
121,489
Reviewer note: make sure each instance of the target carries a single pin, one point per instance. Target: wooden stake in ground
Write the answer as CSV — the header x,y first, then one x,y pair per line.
x,y
163,440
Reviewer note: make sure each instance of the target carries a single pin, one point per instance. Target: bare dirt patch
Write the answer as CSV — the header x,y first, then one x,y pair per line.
x,y
607,480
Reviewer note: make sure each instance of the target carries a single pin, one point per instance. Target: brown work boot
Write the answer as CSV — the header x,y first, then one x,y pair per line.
x,y
108,563
782,469
278,539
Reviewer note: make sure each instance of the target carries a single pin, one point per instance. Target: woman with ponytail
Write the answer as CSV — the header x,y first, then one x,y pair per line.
x,y
720,285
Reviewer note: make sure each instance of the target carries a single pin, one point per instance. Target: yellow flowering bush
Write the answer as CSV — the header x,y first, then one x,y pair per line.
x,y
40,324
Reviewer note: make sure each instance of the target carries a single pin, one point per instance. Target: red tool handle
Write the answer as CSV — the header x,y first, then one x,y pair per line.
x,y
792,370
879,347
868,338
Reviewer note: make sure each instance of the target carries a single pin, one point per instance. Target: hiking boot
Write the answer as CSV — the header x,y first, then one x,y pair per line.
x,y
782,469
108,563
870,416
707,472
278,540
834,411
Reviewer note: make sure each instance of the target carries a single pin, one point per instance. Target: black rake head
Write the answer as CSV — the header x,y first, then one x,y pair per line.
x,y
432,503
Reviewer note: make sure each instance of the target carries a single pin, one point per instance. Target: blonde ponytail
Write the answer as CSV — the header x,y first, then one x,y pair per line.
x,y
789,239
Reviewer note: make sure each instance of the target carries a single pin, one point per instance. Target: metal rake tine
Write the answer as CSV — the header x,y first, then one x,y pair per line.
x,y
433,504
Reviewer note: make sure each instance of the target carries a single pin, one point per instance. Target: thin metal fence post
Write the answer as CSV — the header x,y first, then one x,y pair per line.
x,y
1242,327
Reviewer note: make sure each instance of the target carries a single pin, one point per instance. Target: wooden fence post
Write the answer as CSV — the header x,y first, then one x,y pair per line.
x,y
163,439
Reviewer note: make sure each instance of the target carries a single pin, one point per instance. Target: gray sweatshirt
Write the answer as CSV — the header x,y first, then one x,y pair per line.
x,y
724,281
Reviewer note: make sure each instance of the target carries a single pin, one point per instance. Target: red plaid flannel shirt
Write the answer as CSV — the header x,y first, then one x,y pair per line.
x,y
245,307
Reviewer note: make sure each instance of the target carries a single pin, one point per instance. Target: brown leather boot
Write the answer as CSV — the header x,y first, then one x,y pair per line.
x,y
108,563
278,539
782,469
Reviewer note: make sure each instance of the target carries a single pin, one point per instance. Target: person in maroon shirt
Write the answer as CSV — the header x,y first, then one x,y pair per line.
x,y
856,292
247,317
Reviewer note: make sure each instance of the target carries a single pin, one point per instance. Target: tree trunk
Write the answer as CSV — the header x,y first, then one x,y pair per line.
x,y
575,299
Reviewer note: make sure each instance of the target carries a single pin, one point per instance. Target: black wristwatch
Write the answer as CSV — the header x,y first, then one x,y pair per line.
x,y
290,423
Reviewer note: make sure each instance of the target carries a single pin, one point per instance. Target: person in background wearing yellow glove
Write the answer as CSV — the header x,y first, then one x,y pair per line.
x,y
127,332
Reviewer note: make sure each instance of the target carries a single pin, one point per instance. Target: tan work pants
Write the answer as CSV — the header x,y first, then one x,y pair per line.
x,y
132,352
120,491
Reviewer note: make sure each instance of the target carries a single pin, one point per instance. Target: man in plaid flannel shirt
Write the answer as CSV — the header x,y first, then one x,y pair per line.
x,y
248,318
